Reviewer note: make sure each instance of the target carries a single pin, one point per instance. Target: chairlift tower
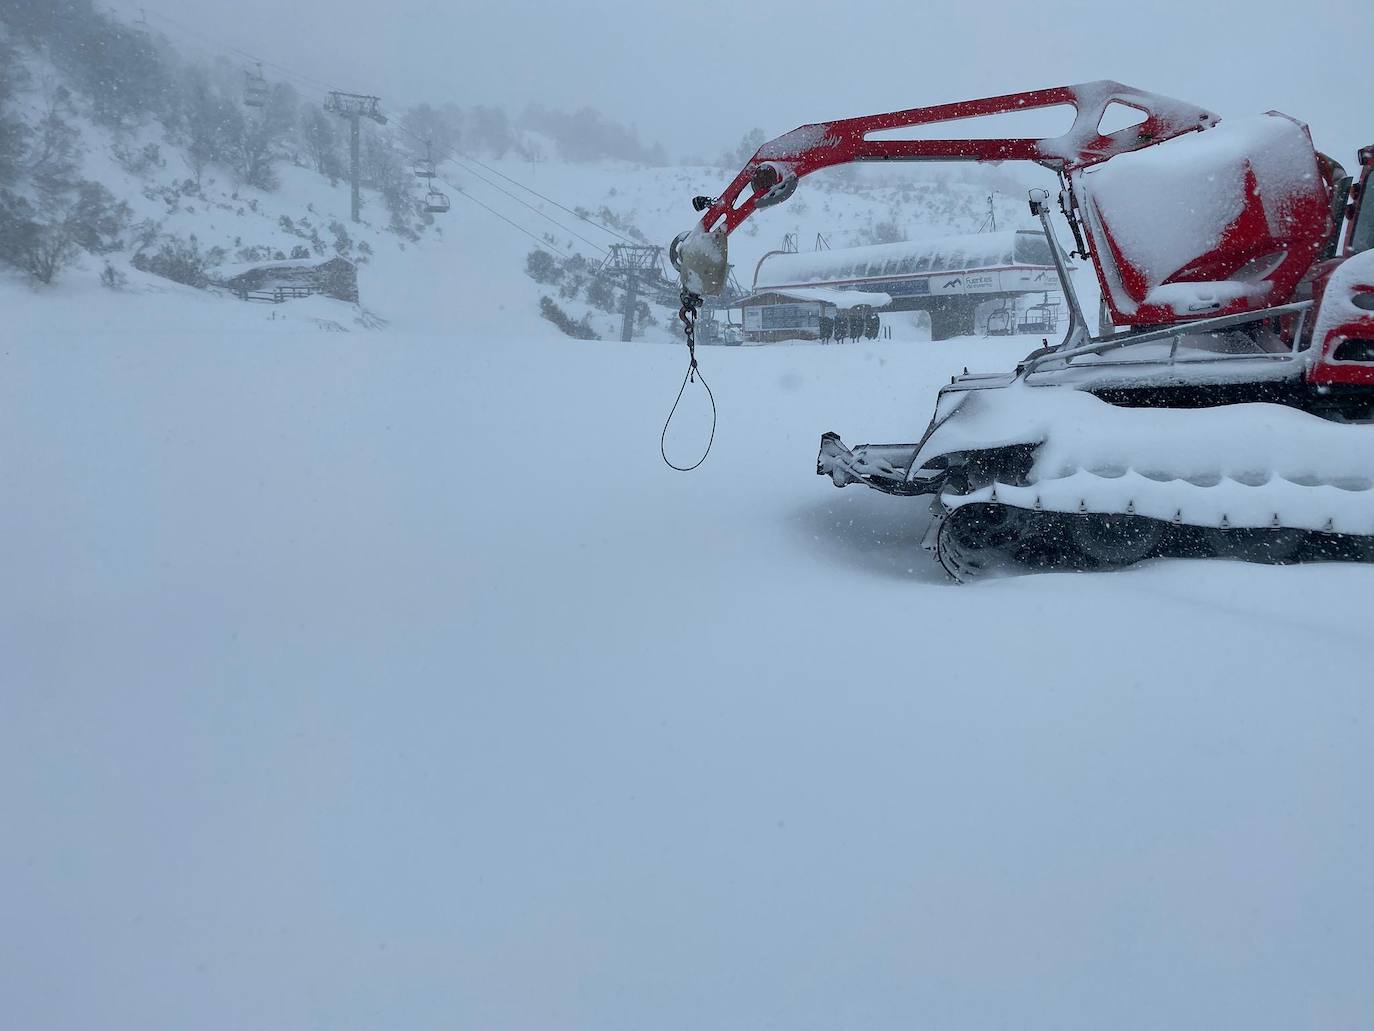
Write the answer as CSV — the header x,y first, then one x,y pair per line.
x,y
629,263
991,218
355,107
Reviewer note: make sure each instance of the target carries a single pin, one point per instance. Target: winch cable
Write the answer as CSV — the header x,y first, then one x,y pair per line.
x,y
688,316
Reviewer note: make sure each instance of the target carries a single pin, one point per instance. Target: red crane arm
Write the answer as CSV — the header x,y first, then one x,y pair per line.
x,y
772,174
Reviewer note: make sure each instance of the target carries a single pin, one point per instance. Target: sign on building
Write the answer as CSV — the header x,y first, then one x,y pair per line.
x,y
763,318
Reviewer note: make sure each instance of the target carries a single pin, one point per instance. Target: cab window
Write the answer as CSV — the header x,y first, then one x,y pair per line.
x,y
1362,239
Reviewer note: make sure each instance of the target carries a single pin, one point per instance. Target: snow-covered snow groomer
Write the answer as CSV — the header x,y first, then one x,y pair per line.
x,y
1226,410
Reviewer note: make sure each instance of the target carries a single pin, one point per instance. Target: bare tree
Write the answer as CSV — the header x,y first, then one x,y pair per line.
x,y
435,127
49,250
13,131
56,149
256,143
42,249
321,142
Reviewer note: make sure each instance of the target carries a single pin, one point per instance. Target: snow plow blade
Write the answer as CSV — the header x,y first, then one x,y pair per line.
x,y
883,467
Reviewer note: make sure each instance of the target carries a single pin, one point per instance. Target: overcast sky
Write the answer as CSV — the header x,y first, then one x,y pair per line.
x,y
696,75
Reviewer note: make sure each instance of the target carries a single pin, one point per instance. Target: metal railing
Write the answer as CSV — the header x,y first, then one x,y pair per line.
x,y
277,294
1098,346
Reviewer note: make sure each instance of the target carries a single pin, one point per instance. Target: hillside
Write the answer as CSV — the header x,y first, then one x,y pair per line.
x,y
142,196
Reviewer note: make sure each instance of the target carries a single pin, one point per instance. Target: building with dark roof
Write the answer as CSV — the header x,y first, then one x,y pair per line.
x,y
294,277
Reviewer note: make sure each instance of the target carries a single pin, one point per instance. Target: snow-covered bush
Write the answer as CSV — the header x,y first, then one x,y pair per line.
x,y
138,161
601,295
181,261
31,243
888,231
112,278
343,243
542,267
95,218
580,330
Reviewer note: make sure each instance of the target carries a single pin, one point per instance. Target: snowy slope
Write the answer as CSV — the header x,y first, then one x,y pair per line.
x,y
386,677
469,265
473,255
391,679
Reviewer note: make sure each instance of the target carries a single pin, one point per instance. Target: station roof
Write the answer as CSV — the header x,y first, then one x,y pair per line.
x,y
1023,247
826,295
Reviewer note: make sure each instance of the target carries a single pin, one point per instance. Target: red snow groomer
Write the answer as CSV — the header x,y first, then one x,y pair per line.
x,y
1227,412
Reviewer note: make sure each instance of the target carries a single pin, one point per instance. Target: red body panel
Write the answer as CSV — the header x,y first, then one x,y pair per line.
x,y
1281,237
1334,292
1335,286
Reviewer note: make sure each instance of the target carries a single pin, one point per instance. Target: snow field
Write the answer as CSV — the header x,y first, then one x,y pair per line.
x,y
391,677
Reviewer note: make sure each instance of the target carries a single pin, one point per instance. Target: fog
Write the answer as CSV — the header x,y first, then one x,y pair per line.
x,y
696,76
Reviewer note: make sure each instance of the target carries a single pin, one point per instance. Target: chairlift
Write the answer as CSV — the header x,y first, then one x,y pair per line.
x,y
436,202
255,89
1001,322
1041,318
424,168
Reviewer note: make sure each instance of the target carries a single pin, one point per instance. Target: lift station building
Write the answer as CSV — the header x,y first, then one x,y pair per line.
x,y
806,313
948,277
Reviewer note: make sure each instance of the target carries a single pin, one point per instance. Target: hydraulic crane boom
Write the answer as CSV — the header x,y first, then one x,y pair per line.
x,y
781,162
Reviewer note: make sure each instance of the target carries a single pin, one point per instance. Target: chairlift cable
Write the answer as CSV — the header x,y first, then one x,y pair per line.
x,y
560,225
570,211
503,218
221,48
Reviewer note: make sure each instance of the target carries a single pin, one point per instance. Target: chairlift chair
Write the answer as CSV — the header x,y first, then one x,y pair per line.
x,y
424,168
436,202
1001,322
1041,318
255,89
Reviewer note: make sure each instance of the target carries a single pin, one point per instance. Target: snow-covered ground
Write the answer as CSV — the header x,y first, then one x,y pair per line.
x,y
389,678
